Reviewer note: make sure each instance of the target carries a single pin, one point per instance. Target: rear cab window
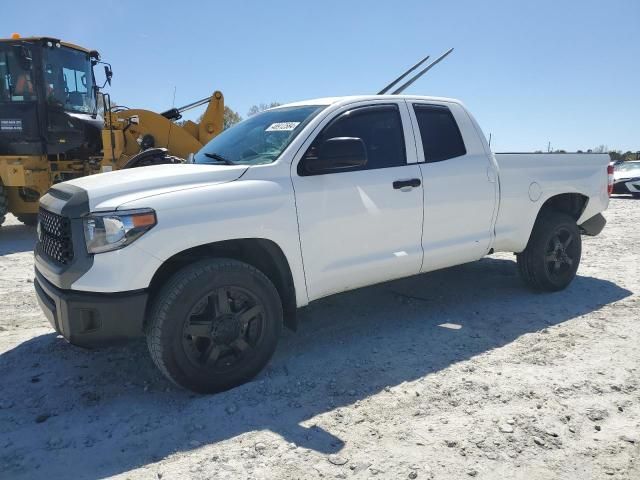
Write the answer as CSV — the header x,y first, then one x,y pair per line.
x,y
441,137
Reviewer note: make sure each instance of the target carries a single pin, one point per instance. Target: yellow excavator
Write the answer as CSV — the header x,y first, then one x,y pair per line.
x,y
51,129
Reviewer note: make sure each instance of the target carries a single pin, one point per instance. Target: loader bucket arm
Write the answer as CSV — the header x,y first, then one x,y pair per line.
x,y
212,121
134,130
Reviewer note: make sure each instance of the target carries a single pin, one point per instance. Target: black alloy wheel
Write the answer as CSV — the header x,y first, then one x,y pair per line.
x,y
552,256
561,253
224,328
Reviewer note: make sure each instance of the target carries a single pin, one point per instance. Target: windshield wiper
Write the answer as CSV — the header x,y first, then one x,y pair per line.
x,y
219,158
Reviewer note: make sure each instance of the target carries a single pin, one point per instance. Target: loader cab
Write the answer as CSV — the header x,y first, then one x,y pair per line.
x,y
48,99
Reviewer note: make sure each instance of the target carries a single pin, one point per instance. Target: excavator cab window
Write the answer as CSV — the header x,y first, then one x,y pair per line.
x,y
69,81
16,74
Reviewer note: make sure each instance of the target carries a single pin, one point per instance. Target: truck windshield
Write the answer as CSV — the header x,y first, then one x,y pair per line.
x,y
259,139
16,74
68,78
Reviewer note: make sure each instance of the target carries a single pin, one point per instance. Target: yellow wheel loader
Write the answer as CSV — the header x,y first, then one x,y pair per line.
x,y
50,129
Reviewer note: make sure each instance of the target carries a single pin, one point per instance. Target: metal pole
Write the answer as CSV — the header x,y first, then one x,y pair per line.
x,y
388,87
174,113
420,73
195,104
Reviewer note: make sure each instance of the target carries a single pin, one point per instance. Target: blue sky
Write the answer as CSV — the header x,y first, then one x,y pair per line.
x,y
567,72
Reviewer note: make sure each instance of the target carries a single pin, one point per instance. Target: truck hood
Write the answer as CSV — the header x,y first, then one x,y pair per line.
x,y
107,191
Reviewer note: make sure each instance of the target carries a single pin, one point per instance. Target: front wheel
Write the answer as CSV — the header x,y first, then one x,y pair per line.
x,y
214,325
551,259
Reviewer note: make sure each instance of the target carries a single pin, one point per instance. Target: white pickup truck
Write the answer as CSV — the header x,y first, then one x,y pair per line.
x,y
210,259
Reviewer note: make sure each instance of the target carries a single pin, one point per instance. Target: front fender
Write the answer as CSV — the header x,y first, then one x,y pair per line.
x,y
190,218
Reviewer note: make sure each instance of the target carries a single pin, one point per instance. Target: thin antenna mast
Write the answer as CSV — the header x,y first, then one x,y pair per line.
x,y
173,104
409,82
388,87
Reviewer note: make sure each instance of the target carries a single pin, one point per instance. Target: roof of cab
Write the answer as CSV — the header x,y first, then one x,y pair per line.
x,y
358,98
37,39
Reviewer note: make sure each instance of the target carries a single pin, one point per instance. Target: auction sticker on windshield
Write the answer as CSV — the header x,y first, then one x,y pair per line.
x,y
282,126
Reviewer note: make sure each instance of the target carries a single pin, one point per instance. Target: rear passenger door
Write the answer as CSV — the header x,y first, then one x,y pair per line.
x,y
361,225
460,186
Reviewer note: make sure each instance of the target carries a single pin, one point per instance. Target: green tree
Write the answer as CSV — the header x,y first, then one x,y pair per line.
x,y
616,155
231,117
261,108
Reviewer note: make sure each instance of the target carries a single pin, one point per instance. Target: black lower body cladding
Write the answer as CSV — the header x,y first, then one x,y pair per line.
x,y
92,319
594,225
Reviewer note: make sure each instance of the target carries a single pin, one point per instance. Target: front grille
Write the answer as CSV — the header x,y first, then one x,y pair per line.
x,y
55,236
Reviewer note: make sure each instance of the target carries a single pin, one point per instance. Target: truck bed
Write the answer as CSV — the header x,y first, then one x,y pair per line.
x,y
527,180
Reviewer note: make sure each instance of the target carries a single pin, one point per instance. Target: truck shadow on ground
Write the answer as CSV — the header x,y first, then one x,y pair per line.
x,y
15,238
72,413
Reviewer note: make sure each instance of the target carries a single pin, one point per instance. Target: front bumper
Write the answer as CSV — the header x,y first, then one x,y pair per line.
x,y
620,188
92,319
627,185
633,186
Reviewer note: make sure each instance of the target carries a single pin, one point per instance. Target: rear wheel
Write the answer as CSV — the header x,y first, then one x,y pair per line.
x,y
4,204
30,219
214,325
551,259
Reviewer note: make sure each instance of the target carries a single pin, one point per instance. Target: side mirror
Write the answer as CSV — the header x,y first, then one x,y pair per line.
x,y
108,73
338,153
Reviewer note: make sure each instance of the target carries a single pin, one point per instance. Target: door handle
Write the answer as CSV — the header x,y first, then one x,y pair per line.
x,y
400,184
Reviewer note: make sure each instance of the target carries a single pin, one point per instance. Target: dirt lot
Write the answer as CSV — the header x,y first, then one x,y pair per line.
x,y
461,373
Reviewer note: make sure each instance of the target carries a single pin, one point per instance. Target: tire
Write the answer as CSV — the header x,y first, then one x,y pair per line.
x,y
636,195
30,219
551,259
4,204
214,325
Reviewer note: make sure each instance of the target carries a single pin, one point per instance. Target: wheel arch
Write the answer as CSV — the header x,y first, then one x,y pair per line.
x,y
573,204
263,254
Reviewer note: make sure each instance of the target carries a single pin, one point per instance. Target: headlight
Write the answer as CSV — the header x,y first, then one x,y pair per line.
x,y
108,231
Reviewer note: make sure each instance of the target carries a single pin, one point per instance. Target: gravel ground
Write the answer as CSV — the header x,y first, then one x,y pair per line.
x,y
461,373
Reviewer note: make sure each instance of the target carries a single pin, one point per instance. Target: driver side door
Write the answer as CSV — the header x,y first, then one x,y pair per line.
x,y
361,225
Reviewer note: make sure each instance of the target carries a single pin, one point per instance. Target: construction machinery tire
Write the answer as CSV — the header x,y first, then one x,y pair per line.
x,y
4,204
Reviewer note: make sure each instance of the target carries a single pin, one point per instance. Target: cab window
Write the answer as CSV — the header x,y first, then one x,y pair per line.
x,y
441,138
380,129
16,74
68,79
